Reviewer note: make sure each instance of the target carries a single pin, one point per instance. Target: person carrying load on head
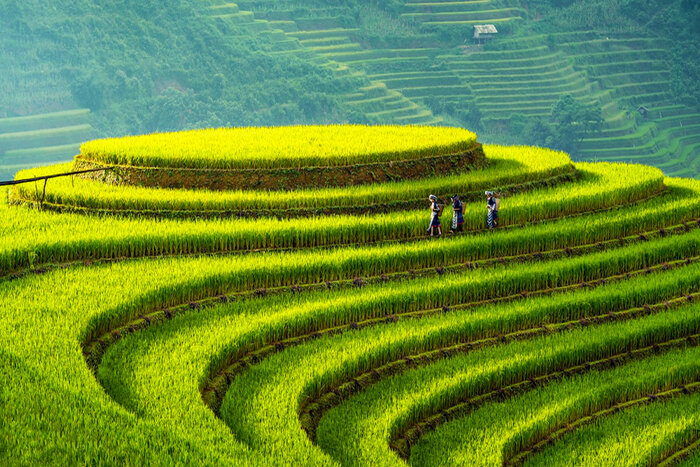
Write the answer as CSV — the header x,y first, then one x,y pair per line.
x,y
490,207
435,210
457,215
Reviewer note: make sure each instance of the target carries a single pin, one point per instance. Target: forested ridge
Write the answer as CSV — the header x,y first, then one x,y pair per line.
x,y
152,66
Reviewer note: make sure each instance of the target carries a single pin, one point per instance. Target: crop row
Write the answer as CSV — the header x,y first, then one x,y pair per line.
x,y
361,428
133,373
311,414
47,316
451,343
39,238
279,147
43,317
43,370
96,345
641,435
491,434
283,179
684,456
680,438
253,272
630,300
45,137
239,210
507,166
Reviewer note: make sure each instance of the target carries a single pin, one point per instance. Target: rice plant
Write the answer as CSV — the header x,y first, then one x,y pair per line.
x,y
330,330
508,166
279,147
491,434
361,428
38,233
640,435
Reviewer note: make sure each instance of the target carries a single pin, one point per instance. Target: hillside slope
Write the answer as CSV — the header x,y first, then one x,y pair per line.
x,y
152,318
139,67
148,66
613,57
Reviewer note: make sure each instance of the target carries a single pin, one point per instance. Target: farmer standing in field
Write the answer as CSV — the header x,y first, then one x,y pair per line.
x,y
434,217
491,208
496,207
457,215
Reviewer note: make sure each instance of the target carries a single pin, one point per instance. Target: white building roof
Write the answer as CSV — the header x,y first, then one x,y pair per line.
x,y
485,29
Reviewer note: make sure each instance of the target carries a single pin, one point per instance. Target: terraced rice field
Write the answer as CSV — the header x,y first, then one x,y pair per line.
x,y
522,76
316,38
322,327
323,37
42,139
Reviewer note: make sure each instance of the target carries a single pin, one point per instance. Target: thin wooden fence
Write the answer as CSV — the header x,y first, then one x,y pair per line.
x,y
46,179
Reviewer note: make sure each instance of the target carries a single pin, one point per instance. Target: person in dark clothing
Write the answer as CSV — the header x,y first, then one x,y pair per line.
x,y
491,207
457,215
496,207
434,217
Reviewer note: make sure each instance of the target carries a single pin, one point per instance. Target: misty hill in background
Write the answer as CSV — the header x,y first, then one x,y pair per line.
x,y
605,80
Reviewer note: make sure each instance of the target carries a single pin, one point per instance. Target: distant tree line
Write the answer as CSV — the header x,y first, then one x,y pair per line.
x,y
157,65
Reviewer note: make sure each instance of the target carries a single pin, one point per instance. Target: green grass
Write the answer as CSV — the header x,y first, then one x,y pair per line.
x,y
288,312
361,428
509,166
692,460
107,237
291,147
337,286
132,371
75,309
495,432
642,436
39,336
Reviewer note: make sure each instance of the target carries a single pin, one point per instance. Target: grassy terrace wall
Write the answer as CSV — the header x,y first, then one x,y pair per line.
x,y
319,337
510,170
275,158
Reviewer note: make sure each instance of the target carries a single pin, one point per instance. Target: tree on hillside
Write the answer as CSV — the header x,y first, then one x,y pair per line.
x,y
118,57
539,131
88,91
685,69
572,121
569,123
691,8
467,113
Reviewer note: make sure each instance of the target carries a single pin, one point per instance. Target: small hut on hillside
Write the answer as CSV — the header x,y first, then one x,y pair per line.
x,y
484,32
